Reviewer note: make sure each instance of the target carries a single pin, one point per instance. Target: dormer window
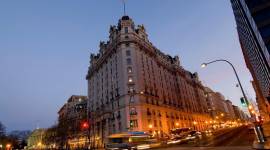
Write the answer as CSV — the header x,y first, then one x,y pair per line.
x,y
126,29
143,37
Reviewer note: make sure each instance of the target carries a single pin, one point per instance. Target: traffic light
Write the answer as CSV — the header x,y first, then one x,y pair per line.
x,y
85,125
244,102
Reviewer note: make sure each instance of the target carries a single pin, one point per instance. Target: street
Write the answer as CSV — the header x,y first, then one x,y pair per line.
x,y
240,138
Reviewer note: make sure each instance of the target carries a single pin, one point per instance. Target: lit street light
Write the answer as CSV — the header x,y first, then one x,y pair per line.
x,y
194,125
8,146
258,129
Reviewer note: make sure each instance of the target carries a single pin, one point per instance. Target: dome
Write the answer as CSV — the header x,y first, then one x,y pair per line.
x,y
125,18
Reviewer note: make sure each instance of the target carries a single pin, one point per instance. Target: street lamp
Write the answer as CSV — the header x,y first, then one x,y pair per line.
x,y
257,128
8,146
194,124
203,65
150,126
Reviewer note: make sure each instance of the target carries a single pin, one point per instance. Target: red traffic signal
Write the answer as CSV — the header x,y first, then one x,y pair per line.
x,y
85,125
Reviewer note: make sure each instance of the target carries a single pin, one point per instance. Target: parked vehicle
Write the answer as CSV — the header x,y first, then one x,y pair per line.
x,y
178,135
131,141
179,132
193,135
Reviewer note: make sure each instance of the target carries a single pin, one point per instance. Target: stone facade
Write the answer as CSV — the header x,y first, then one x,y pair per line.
x,y
36,139
230,111
133,86
219,107
240,114
71,116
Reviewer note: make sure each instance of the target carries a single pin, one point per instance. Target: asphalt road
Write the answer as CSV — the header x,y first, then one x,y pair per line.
x,y
240,138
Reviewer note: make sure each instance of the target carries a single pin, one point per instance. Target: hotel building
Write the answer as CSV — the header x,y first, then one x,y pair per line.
x,y
133,86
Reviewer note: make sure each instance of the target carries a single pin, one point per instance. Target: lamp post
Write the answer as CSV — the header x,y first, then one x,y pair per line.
x,y
258,128
194,125
224,60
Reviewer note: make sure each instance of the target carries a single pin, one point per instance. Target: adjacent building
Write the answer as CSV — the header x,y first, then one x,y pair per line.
x,y
215,102
230,111
71,116
253,26
240,114
36,139
219,107
134,86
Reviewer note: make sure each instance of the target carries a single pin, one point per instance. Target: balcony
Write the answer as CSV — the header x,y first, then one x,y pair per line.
x,y
113,118
133,113
118,116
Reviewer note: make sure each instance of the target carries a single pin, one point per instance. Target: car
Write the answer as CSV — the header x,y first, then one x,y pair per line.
x,y
175,140
193,135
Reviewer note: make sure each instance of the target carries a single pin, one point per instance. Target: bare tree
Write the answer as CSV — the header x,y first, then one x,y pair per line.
x,y
2,130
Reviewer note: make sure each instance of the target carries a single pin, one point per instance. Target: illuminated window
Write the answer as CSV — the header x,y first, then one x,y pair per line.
x,y
130,88
133,111
130,79
129,70
133,123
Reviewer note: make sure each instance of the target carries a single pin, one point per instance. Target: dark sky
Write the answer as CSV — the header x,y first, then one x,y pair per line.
x,y
45,48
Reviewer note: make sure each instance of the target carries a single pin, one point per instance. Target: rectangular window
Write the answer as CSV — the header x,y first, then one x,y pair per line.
x,y
119,126
130,79
133,123
126,29
114,128
131,89
129,61
133,111
128,52
155,123
129,70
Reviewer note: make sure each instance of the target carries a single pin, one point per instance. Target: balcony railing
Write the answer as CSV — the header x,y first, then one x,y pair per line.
x,y
133,113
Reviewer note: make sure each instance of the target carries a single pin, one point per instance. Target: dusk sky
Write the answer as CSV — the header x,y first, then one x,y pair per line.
x,y
45,48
